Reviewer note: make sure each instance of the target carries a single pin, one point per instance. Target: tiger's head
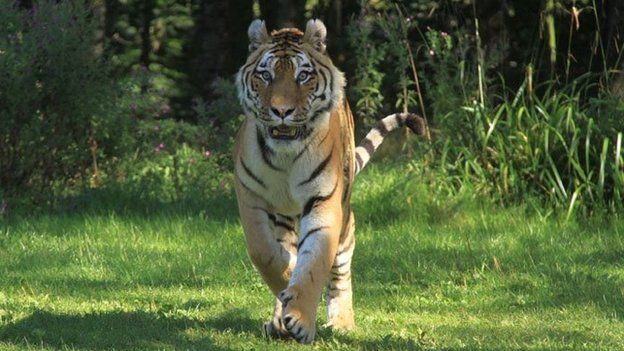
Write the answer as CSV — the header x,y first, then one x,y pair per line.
x,y
288,83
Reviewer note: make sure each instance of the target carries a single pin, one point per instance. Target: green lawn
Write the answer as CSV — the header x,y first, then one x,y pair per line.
x,y
429,273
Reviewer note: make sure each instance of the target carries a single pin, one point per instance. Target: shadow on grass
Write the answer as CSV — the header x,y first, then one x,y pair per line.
x,y
388,342
473,337
573,288
125,330
406,200
551,283
220,206
379,208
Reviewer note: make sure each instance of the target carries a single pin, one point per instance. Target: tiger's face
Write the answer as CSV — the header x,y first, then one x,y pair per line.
x,y
288,81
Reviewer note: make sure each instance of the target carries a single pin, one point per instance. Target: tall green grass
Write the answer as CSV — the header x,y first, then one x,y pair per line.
x,y
553,147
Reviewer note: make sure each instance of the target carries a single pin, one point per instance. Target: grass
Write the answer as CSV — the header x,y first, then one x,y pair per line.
x,y
431,273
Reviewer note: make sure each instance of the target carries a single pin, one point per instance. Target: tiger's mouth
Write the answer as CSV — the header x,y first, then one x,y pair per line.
x,y
284,132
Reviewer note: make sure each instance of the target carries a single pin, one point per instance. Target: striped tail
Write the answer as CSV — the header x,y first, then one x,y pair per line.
x,y
376,136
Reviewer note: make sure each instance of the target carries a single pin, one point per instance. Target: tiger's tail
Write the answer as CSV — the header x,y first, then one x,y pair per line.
x,y
367,147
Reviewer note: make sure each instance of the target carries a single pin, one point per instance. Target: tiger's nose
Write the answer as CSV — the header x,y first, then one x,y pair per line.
x,y
282,111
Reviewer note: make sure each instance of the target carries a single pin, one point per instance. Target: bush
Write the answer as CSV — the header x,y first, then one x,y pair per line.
x,y
222,116
56,102
174,160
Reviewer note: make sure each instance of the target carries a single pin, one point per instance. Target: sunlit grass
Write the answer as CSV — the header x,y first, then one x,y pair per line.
x,y
430,272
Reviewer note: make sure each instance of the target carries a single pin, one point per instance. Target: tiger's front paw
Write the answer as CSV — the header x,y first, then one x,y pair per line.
x,y
299,328
300,324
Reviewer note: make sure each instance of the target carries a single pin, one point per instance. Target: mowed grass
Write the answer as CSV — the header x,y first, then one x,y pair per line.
x,y
430,272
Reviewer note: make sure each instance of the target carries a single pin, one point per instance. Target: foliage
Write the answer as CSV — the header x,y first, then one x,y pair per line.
x,y
222,116
174,175
490,80
171,159
395,28
549,147
552,143
366,89
170,26
56,100
450,80
142,99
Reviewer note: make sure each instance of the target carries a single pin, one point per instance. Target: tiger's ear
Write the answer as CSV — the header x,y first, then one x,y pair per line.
x,y
258,34
315,34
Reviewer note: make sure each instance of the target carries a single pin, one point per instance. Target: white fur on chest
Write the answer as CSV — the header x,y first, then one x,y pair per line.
x,y
282,188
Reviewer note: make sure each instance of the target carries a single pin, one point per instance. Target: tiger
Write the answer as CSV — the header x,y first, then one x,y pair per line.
x,y
295,161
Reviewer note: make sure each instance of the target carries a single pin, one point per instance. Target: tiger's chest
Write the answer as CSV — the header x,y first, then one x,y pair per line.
x,y
283,177
277,187
280,196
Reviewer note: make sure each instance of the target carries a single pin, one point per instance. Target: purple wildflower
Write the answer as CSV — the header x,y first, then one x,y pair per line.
x,y
159,147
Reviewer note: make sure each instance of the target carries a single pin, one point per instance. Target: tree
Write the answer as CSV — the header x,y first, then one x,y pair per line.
x,y
282,13
218,44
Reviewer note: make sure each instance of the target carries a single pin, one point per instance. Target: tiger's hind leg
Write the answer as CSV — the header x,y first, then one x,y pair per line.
x,y
339,289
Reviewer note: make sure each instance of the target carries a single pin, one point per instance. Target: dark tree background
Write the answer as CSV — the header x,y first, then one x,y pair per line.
x,y
190,43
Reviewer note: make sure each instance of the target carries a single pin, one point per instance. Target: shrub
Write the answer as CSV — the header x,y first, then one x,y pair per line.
x,y
160,158
173,162
55,98
368,57
222,116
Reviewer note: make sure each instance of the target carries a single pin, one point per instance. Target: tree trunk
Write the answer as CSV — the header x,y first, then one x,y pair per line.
x,y
614,10
218,46
99,16
146,43
111,11
283,13
25,4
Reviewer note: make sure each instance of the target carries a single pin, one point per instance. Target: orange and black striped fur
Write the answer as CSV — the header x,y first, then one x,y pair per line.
x,y
295,162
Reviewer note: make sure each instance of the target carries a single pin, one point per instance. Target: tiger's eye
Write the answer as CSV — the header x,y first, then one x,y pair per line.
x,y
266,75
302,76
